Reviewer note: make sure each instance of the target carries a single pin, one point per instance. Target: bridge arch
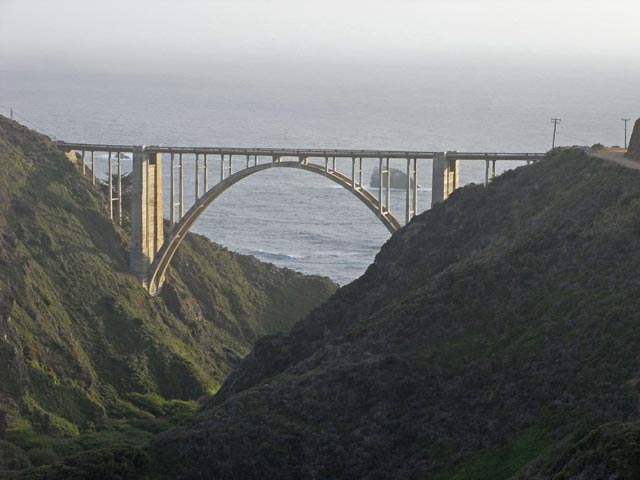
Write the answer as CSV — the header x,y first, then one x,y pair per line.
x,y
165,254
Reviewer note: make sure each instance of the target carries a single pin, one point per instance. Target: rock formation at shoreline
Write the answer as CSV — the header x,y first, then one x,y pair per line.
x,y
633,150
398,179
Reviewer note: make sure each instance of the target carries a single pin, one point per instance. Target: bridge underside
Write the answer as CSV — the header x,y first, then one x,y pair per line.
x,y
163,257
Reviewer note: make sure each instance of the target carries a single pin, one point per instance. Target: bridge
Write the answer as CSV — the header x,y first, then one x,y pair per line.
x,y
152,251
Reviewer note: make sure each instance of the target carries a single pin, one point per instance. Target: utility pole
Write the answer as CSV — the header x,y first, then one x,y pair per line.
x,y
625,120
555,122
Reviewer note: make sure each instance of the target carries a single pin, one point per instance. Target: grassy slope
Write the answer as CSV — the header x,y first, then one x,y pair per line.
x,y
493,331
79,337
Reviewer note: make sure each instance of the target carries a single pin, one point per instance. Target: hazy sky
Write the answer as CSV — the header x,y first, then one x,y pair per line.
x,y
167,33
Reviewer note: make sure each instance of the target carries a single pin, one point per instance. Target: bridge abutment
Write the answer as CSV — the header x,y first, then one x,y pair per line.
x,y
445,178
147,227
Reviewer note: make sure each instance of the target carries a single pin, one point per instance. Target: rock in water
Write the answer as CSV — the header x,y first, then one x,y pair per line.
x,y
633,151
398,178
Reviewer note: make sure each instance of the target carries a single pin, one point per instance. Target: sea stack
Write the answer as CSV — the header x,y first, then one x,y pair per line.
x,y
398,179
633,150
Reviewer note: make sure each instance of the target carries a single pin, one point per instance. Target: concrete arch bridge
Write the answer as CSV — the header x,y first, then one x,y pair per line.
x,y
152,251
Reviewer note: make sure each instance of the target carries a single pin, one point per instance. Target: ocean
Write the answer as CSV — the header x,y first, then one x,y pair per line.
x,y
296,219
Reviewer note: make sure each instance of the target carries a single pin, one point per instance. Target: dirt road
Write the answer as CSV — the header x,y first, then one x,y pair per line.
x,y
616,155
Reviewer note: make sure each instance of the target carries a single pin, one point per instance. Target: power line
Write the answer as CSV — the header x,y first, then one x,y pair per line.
x,y
582,140
555,122
13,115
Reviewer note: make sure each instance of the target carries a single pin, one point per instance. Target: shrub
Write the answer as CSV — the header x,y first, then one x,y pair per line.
x,y
42,456
12,457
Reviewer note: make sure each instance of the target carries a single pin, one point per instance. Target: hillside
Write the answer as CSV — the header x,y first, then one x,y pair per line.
x,y
81,343
494,336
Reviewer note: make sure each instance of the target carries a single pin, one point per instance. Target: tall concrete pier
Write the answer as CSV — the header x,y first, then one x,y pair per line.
x,y
147,226
445,177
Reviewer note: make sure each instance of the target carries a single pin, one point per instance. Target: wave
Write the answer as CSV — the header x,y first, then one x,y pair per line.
x,y
105,156
277,255
335,254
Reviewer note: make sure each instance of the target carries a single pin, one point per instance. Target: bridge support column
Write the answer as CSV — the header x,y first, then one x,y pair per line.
x,y
445,178
93,167
110,186
147,229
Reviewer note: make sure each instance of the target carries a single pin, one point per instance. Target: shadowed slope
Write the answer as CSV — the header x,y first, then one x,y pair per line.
x,y
492,328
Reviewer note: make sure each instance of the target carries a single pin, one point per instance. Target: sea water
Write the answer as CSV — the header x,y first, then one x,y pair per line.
x,y
297,219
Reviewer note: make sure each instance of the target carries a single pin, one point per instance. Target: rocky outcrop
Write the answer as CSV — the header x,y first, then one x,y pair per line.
x,y
398,179
633,150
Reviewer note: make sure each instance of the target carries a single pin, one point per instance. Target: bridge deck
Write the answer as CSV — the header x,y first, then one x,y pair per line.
x,y
301,153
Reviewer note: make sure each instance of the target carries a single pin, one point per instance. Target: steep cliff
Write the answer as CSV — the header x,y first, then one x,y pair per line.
x,y
633,151
488,338
80,341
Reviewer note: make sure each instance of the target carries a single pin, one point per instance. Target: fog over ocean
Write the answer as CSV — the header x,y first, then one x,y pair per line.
x,y
297,219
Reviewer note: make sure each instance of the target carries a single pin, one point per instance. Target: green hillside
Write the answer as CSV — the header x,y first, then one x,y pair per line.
x,y
494,336
82,345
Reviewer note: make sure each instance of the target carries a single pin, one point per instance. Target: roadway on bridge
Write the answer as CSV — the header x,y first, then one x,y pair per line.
x,y
302,153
